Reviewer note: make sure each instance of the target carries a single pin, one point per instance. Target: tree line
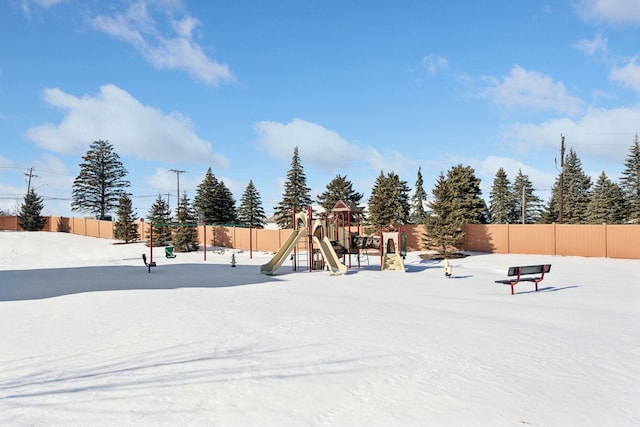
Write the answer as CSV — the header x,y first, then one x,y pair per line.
x,y
101,187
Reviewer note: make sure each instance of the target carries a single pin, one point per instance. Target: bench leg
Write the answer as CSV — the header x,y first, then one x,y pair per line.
x,y
512,285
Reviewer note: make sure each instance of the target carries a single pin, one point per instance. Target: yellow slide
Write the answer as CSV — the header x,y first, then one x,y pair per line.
x,y
330,255
283,252
394,262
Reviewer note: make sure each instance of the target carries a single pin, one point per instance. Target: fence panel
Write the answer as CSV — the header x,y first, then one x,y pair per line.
x,y
581,240
623,241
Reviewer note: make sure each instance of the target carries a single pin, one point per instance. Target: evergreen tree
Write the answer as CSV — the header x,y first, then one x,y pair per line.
x,y
389,201
607,203
575,193
468,206
444,230
29,217
340,188
418,214
160,214
100,183
296,193
125,227
630,182
523,192
501,200
185,237
225,212
205,202
250,212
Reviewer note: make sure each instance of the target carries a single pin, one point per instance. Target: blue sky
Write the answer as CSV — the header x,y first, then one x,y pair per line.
x,y
360,87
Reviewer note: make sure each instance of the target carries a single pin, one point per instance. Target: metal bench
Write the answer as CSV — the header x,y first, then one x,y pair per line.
x,y
527,271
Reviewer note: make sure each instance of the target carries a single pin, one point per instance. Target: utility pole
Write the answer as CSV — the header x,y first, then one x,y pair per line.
x,y
523,204
560,199
178,172
30,175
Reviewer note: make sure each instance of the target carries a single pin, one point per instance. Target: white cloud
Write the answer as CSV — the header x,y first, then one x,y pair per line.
x,y
613,11
627,75
321,147
176,51
434,63
317,145
606,134
597,46
532,90
132,128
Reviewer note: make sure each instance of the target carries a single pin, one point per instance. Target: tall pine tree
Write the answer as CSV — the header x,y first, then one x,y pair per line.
x,y
607,203
630,182
418,214
389,201
205,202
444,229
159,216
468,206
250,211
185,236
225,212
575,193
340,188
29,217
501,200
125,227
98,187
523,193
296,193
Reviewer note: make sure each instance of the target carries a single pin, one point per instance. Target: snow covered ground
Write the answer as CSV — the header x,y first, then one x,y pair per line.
x,y
89,337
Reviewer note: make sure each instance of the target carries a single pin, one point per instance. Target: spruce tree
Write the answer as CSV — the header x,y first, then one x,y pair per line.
x,y
630,182
160,214
575,193
250,211
607,203
125,227
29,217
418,214
501,200
205,202
340,188
225,212
296,193
98,187
389,201
468,206
523,192
444,228
185,237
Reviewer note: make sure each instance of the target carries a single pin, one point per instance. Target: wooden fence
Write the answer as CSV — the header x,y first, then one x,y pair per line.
x,y
612,241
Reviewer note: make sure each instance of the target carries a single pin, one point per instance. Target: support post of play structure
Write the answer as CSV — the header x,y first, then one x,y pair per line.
x,y
295,249
150,242
250,242
309,239
204,232
381,250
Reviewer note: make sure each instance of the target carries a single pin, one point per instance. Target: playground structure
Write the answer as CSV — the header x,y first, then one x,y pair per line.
x,y
331,237
314,234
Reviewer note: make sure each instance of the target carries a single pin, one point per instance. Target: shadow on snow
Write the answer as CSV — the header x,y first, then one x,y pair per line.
x,y
19,285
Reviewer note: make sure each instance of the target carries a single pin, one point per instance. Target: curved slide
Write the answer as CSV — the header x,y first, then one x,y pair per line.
x,y
283,252
330,255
